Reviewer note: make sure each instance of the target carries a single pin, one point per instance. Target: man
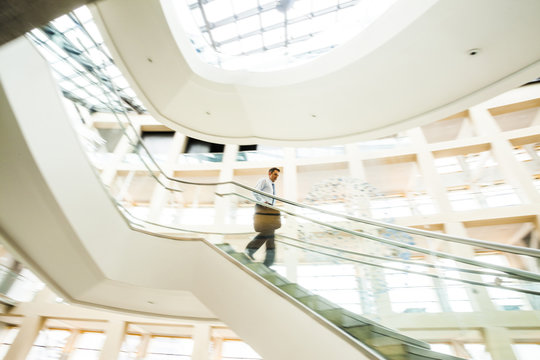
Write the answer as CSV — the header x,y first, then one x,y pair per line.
x,y
265,184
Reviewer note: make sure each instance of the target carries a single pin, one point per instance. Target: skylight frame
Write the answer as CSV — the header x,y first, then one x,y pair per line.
x,y
226,52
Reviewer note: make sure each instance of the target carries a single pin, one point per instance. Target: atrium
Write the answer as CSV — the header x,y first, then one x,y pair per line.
x,y
407,135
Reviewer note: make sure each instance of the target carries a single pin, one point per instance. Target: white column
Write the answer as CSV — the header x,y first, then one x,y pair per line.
x,y
499,343
122,148
159,196
28,332
223,204
116,330
143,346
426,163
70,344
354,158
201,340
513,171
290,191
480,300
218,348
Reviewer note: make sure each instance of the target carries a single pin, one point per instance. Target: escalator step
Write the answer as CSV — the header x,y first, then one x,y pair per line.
x,y
268,274
276,279
383,336
295,290
421,354
226,247
341,318
241,257
317,303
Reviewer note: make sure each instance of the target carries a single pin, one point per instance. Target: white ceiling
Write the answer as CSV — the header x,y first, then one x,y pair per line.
x,y
409,68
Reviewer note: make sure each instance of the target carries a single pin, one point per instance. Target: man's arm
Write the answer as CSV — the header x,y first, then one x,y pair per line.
x,y
260,186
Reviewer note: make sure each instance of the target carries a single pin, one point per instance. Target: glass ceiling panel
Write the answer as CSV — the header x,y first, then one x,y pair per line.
x,y
88,76
262,35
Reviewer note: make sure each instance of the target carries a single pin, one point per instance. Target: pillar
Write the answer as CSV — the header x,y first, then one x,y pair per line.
x,y
143,346
28,332
122,148
499,343
159,196
116,330
513,171
218,348
201,340
223,205
290,191
70,345
478,295
426,162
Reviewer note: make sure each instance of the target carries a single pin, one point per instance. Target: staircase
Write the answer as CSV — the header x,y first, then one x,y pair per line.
x,y
389,343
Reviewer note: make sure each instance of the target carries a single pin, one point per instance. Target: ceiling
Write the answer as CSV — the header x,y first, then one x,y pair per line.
x,y
410,67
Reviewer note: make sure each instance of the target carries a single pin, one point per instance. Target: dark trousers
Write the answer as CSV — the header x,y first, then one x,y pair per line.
x,y
258,241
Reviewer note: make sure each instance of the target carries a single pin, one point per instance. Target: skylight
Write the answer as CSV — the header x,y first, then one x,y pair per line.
x,y
262,35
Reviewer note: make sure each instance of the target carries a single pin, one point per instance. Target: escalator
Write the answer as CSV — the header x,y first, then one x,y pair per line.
x,y
390,344
311,236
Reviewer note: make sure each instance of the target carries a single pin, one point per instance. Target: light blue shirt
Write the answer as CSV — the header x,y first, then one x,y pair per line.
x,y
265,185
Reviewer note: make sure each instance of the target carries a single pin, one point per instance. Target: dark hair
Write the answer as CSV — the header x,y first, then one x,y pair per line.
x,y
273,169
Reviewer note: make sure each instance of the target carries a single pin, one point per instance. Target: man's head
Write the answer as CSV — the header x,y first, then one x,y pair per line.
x,y
273,174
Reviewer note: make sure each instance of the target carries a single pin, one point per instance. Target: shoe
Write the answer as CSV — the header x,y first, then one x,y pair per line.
x,y
249,254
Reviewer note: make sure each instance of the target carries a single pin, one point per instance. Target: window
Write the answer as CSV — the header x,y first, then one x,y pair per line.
x,y
319,152
238,350
88,346
390,207
49,344
411,292
258,36
463,199
477,351
157,142
130,347
525,351
458,296
169,348
443,348
506,300
500,195
7,337
336,283
447,165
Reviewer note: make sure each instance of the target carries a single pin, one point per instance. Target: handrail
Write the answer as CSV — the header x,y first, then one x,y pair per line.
x,y
465,281
445,237
470,282
407,262
468,241
521,273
